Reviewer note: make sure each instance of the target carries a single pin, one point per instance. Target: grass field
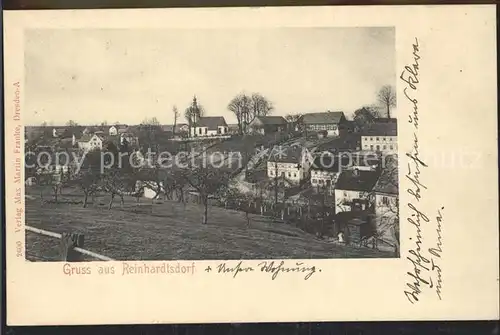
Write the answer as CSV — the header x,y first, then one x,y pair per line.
x,y
172,231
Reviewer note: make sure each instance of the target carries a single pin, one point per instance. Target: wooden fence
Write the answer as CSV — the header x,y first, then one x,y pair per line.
x,y
71,245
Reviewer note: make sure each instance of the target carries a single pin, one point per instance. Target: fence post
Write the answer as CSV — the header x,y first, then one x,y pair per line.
x,y
68,244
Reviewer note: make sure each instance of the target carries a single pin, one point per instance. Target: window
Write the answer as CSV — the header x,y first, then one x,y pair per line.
x,y
271,172
371,147
390,139
314,181
384,147
282,174
289,174
199,131
378,139
391,147
295,175
320,181
385,200
378,147
371,138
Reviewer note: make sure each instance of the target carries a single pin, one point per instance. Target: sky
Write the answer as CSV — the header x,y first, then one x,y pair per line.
x,y
124,75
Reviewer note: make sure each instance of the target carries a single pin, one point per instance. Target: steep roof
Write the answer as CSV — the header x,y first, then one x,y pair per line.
x,y
286,155
389,181
323,118
212,122
353,180
346,142
270,120
382,129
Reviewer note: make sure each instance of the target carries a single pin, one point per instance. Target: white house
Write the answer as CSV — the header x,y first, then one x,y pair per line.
x,y
329,123
381,137
90,142
116,129
353,190
209,126
290,163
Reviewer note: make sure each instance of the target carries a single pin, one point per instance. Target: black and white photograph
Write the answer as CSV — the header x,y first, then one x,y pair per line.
x,y
210,144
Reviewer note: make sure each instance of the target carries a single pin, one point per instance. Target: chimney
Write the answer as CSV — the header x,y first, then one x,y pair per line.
x,y
54,132
73,139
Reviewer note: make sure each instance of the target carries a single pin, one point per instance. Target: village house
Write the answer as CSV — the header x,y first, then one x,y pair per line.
x,y
325,171
328,123
290,163
353,190
327,167
381,137
209,126
130,138
115,129
268,124
90,142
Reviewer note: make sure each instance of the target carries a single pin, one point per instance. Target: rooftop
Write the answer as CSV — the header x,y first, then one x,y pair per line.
x,y
270,120
323,118
212,122
382,129
286,155
355,180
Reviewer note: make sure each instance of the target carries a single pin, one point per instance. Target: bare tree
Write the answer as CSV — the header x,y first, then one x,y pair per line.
x,y
207,182
151,121
260,106
240,105
246,108
175,112
114,182
387,97
71,124
88,181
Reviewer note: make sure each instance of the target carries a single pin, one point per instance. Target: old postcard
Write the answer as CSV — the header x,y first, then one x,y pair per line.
x,y
251,165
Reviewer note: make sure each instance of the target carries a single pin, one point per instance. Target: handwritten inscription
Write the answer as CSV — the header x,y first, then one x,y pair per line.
x,y
425,272
270,267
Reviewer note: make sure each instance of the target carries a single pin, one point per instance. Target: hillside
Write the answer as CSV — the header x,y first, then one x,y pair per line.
x,y
171,231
